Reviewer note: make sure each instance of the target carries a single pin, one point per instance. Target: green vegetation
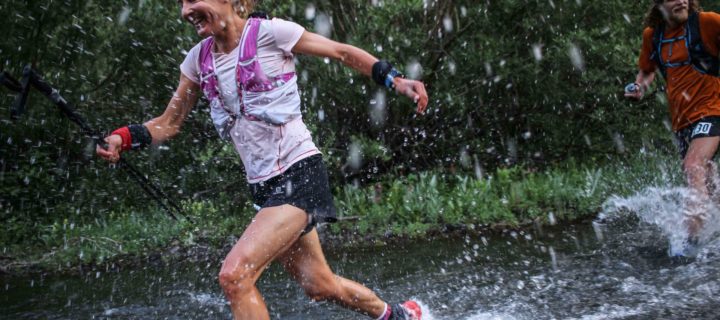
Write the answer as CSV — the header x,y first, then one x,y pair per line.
x,y
410,206
515,86
514,196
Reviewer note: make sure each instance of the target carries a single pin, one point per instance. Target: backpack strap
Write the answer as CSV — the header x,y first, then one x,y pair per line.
x,y
208,79
656,54
698,57
249,40
701,59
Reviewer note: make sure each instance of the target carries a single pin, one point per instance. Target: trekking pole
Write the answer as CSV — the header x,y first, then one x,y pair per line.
x,y
9,81
18,105
30,77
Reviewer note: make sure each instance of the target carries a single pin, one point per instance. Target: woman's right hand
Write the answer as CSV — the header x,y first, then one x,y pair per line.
x,y
112,152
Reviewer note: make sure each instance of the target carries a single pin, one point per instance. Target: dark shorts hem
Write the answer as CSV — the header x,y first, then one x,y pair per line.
x,y
304,185
703,128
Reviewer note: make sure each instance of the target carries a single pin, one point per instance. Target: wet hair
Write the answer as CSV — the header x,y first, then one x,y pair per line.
x,y
654,16
244,7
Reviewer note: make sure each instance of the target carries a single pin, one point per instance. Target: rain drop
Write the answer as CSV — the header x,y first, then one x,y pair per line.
x,y
576,57
323,25
355,156
447,24
377,108
124,15
310,11
537,52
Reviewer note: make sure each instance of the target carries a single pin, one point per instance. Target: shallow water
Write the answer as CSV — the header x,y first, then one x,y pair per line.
x,y
614,269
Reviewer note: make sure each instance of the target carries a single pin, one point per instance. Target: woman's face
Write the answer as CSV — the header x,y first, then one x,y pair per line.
x,y
209,17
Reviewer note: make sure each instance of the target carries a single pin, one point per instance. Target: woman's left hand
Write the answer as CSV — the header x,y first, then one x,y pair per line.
x,y
414,90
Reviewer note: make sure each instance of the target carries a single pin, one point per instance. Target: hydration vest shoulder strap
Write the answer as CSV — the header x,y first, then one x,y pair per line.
x,y
208,81
249,39
701,59
658,34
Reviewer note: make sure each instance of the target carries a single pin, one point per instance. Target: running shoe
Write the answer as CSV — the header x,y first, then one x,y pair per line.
x,y
688,249
408,310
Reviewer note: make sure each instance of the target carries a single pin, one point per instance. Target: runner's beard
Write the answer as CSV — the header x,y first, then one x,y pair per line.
x,y
678,16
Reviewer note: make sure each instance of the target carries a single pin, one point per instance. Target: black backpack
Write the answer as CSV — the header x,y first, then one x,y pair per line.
x,y
700,59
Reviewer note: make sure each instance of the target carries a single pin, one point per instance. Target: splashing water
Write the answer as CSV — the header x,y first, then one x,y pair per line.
x,y
537,52
478,168
667,210
323,25
566,274
447,24
355,156
310,11
492,316
426,312
378,111
124,15
414,70
576,57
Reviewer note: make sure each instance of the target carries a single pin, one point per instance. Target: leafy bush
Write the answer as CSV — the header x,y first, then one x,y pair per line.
x,y
513,84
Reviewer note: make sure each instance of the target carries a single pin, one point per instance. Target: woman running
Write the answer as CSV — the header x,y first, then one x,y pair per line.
x,y
244,67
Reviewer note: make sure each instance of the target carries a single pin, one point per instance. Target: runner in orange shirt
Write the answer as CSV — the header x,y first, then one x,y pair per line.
x,y
682,43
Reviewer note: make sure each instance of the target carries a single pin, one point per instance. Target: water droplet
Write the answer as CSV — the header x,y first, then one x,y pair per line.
x,y
553,258
124,15
355,156
619,144
478,168
310,11
537,52
576,57
378,108
447,24
323,25
598,230
414,70
465,158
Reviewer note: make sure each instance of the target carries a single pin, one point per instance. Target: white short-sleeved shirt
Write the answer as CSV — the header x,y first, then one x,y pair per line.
x,y
266,150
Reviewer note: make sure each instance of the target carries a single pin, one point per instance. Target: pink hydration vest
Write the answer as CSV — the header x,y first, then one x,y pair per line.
x,y
269,133
255,88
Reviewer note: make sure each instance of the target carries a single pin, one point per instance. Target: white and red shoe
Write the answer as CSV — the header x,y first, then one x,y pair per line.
x,y
408,310
412,310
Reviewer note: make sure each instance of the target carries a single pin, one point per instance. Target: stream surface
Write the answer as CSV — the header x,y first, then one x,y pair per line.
x,y
614,268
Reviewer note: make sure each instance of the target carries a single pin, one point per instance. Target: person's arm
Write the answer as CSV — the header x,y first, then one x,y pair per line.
x,y
168,124
161,128
646,66
360,60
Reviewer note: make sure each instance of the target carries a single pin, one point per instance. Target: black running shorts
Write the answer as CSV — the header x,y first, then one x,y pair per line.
x,y
705,127
304,185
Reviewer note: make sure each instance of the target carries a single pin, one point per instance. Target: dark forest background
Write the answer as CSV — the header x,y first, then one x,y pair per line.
x,y
513,82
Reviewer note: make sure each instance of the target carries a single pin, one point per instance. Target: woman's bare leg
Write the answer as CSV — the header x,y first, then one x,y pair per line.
x,y
306,263
272,232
